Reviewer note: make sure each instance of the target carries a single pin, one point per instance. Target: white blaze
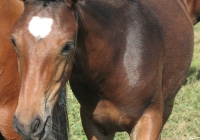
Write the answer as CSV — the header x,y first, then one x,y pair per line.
x,y
40,27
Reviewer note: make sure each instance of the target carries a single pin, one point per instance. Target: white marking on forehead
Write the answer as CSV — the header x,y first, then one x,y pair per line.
x,y
40,27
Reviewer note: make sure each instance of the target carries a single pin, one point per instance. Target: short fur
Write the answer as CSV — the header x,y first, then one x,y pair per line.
x,y
10,10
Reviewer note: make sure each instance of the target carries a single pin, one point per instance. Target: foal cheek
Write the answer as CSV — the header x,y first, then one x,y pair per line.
x,y
18,63
67,73
60,71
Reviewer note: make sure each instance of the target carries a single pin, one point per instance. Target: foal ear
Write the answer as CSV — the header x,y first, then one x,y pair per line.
x,y
71,3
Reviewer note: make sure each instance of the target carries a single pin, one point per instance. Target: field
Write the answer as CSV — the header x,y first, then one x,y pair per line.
x,y
183,124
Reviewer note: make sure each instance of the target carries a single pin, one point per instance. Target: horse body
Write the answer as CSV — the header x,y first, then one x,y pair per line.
x,y
130,61
129,68
10,10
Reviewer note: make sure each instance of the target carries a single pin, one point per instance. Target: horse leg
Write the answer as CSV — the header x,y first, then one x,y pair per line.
x,y
168,109
92,131
150,124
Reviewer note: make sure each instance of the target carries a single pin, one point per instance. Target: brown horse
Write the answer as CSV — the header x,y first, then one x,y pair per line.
x,y
131,58
10,10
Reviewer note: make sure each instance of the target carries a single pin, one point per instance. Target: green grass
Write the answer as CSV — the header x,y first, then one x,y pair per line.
x,y
183,124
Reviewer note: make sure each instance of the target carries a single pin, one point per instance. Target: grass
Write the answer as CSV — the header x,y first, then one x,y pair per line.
x,y
183,124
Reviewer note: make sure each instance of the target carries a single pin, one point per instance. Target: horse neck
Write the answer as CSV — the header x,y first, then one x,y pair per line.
x,y
11,9
96,27
99,39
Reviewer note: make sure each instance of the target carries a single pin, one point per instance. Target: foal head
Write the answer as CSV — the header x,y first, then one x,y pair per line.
x,y
44,38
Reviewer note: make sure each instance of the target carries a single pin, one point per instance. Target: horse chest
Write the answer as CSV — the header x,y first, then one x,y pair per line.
x,y
110,118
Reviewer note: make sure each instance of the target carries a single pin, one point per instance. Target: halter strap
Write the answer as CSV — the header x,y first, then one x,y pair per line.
x,y
75,43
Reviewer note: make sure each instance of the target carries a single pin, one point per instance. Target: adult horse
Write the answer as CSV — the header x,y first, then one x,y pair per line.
x,y
10,10
131,58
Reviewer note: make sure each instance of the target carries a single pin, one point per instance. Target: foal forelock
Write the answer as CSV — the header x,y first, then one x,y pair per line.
x,y
69,2
43,1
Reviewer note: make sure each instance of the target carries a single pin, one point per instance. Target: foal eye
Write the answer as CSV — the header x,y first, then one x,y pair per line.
x,y
67,47
13,41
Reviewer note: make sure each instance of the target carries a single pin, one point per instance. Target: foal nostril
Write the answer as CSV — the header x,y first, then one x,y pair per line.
x,y
35,125
17,126
25,129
